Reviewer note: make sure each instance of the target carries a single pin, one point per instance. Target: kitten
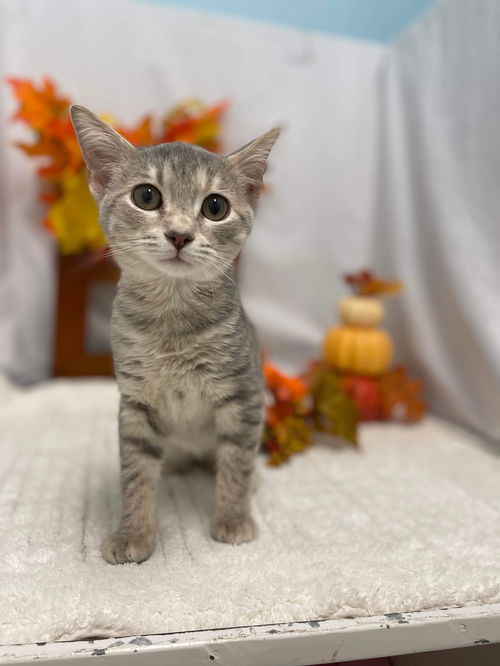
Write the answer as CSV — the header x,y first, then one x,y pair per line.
x,y
186,357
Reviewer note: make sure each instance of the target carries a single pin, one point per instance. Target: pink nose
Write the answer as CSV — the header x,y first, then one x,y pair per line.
x,y
178,240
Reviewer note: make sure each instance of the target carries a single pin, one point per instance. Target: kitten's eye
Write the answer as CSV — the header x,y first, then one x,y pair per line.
x,y
215,207
146,197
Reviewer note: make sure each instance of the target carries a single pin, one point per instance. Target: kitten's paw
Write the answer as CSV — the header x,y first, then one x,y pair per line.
x,y
234,531
122,547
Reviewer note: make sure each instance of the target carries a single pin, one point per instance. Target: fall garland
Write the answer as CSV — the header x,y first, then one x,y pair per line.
x,y
72,215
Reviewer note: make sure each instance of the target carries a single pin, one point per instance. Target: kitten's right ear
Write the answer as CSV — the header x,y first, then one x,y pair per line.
x,y
102,148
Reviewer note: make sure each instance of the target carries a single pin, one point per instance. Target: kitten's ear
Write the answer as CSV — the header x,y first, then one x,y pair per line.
x,y
251,159
102,148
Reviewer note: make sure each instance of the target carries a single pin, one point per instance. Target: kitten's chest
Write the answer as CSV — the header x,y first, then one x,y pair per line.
x,y
179,372
186,403
175,382
183,402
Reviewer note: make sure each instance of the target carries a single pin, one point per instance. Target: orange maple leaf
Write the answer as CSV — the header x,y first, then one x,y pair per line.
x,y
141,134
38,106
46,111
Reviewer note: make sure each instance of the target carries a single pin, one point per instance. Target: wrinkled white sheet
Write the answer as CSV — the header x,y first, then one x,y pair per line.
x,y
437,220
389,157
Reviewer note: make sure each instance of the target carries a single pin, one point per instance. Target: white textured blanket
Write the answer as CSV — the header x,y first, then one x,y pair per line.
x,y
411,522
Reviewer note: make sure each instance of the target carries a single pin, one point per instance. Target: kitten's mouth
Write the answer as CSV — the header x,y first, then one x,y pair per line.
x,y
172,265
177,259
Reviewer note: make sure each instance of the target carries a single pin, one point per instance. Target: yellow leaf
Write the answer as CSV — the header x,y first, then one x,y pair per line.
x,y
74,216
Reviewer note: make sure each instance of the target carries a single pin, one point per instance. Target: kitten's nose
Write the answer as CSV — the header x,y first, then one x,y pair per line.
x,y
178,240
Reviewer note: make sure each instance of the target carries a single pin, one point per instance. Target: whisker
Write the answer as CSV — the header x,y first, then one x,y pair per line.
x,y
208,279
216,255
219,262
120,252
220,270
127,247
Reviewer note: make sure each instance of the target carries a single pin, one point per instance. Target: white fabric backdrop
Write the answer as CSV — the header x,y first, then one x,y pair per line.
x,y
437,225
424,138
126,58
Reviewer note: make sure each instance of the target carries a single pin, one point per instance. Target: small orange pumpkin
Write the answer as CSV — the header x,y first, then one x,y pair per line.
x,y
358,350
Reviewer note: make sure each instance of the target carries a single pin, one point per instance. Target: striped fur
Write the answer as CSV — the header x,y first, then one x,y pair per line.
x,y
186,357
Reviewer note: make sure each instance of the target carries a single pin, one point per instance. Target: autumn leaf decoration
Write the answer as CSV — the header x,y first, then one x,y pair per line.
x,y
71,211
288,430
365,283
46,112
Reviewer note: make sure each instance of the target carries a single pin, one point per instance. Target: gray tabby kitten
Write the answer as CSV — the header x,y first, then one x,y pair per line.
x,y
186,357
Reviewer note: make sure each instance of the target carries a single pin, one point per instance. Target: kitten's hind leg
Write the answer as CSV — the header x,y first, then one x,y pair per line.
x,y
141,456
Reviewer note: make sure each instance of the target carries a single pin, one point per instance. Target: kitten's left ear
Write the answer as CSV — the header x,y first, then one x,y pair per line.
x,y
102,148
251,159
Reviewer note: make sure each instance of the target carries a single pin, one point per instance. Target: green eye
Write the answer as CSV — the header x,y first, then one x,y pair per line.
x,y
147,197
215,207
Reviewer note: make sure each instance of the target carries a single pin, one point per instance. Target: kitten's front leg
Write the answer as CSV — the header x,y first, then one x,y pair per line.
x,y
140,456
239,431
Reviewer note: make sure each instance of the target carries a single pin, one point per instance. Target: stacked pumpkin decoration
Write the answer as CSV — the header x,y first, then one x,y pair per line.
x,y
353,383
359,346
361,352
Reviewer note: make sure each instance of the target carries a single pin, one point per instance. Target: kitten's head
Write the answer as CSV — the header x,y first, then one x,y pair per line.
x,y
173,208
